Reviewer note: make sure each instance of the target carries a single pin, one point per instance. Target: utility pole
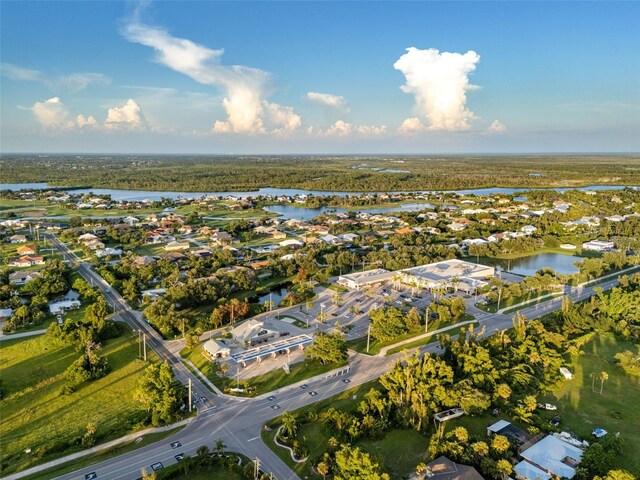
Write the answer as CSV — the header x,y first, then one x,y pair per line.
x,y
190,400
499,297
139,345
270,302
368,336
144,345
256,468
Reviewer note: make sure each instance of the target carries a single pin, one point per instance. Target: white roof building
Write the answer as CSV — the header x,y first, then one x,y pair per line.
x,y
358,280
550,456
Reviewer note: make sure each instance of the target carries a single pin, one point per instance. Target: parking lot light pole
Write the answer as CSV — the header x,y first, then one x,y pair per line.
x,y
426,320
368,336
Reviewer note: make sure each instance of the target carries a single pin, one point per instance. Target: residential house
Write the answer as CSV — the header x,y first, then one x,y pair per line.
x,y
17,239
109,252
173,246
444,469
549,458
291,243
94,244
26,261
598,246
222,238
22,278
26,250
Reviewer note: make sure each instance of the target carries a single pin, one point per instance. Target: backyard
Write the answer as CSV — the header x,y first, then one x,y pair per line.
x,y
616,410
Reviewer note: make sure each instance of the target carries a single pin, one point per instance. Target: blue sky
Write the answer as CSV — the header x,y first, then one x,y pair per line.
x,y
320,77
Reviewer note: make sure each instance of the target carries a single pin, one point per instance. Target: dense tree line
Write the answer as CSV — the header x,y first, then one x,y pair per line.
x,y
228,173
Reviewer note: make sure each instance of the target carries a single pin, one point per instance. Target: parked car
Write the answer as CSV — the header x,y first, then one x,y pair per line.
x,y
547,406
555,421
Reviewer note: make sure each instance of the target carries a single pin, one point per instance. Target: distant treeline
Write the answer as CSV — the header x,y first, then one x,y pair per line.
x,y
339,173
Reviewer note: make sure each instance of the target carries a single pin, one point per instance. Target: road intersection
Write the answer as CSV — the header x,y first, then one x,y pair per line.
x,y
239,421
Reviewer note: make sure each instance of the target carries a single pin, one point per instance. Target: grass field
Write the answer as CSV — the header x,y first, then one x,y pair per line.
x,y
360,344
36,416
616,410
399,451
208,368
425,341
207,473
278,378
101,456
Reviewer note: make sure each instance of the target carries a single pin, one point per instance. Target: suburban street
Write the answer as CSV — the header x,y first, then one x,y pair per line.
x,y
239,421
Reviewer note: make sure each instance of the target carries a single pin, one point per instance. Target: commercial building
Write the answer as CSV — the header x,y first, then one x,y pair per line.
x,y
456,274
358,280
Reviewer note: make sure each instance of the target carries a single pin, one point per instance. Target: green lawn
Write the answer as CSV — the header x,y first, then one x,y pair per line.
x,y
399,451
208,473
493,307
101,456
278,378
208,368
34,413
426,341
616,410
41,208
360,344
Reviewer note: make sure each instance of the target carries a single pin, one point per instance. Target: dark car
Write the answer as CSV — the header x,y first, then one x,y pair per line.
x,y
555,421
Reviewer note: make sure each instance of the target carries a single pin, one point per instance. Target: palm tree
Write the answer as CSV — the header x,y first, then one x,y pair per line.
x,y
224,368
604,376
220,446
323,469
504,467
455,281
289,425
202,452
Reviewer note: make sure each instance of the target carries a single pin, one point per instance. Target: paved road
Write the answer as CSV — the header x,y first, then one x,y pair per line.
x,y
238,422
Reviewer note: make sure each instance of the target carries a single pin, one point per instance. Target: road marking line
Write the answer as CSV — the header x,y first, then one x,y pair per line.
x,y
252,439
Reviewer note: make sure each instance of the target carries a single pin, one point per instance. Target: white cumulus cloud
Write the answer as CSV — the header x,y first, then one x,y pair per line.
x,y
245,88
327,99
53,115
497,127
127,117
411,126
343,129
439,81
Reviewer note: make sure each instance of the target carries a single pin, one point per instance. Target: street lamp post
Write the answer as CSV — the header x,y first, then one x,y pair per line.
x,y
368,336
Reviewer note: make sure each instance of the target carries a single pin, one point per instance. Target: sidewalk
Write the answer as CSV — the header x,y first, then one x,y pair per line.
x,y
97,448
22,335
383,351
577,288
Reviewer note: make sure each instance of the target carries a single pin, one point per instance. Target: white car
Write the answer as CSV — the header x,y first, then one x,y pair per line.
x,y
547,406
